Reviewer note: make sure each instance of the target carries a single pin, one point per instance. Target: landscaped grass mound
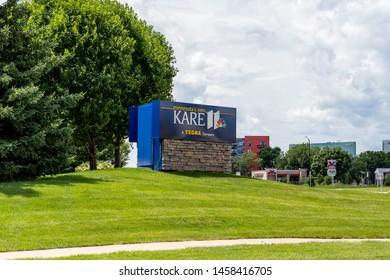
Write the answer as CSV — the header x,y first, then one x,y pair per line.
x,y
133,206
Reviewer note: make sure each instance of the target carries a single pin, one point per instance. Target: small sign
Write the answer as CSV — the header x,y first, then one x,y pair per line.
x,y
331,172
331,164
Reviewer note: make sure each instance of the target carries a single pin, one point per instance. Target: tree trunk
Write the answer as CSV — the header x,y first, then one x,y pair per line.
x,y
117,163
92,153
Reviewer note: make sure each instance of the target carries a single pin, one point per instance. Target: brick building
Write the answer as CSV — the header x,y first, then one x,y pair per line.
x,y
255,143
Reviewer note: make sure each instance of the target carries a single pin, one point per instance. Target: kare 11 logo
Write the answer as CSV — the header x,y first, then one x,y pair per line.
x,y
210,119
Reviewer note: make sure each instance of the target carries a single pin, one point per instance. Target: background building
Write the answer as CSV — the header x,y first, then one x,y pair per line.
x,y
349,147
386,146
238,147
255,143
289,176
249,143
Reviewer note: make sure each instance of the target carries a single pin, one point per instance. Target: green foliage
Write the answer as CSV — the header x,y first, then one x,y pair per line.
x,y
115,59
369,161
298,156
104,153
327,180
100,166
343,158
245,163
387,180
269,156
33,136
108,153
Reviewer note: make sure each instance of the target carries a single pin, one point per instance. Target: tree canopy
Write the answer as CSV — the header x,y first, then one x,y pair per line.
x,y
69,70
33,135
269,156
343,159
115,61
368,161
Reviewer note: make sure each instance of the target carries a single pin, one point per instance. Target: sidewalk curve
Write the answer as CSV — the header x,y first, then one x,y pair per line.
x,y
158,246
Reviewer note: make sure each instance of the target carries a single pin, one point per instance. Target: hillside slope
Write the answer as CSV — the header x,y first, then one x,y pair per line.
x,y
132,206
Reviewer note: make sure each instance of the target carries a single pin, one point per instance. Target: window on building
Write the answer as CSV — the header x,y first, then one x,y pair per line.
x,y
249,143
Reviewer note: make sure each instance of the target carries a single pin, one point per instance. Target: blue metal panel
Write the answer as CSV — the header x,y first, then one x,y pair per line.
x,y
133,124
157,150
156,119
145,148
149,143
157,154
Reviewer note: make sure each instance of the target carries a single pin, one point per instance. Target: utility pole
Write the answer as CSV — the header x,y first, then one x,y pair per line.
x,y
309,162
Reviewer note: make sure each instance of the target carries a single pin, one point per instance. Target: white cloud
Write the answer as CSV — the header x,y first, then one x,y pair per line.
x,y
292,68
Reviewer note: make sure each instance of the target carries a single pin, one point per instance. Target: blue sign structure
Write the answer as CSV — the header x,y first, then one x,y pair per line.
x,y
149,124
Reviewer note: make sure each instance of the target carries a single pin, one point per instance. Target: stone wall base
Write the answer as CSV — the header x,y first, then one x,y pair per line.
x,y
184,155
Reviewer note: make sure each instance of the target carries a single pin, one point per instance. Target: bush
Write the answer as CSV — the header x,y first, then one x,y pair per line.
x,y
327,180
387,180
100,165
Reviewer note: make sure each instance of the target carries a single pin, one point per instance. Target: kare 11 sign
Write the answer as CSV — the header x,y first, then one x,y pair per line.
x,y
186,121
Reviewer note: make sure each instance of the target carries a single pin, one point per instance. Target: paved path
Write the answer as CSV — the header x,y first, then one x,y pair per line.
x,y
65,252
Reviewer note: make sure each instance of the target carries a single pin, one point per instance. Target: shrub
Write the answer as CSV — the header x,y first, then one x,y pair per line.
x,y
100,165
387,180
327,180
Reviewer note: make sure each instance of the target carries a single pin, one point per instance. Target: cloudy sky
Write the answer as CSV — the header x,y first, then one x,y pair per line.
x,y
291,68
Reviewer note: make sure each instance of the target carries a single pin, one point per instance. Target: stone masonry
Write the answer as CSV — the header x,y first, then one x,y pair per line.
x,y
184,155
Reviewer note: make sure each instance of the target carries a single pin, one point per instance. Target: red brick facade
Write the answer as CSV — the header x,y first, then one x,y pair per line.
x,y
255,143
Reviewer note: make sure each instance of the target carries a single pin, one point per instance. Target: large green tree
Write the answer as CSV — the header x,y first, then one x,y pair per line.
x,y
298,156
269,156
33,136
369,161
343,159
245,163
152,72
116,60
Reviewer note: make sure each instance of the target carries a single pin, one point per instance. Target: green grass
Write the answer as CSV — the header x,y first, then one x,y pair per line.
x,y
367,250
134,206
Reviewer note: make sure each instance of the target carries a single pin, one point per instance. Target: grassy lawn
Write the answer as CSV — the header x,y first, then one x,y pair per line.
x,y
308,251
133,206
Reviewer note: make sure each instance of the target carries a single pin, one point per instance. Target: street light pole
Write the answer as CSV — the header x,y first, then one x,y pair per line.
x,y
309,162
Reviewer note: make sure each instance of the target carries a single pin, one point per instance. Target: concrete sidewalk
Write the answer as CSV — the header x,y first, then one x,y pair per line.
x,y
65,252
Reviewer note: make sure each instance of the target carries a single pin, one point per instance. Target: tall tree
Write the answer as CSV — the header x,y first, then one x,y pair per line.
x,y
116,60
269,156
343,162
152,73
298,156
245,163
369,161
33,137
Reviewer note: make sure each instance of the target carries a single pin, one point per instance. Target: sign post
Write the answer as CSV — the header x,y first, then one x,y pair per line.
x,y
380,180
331,166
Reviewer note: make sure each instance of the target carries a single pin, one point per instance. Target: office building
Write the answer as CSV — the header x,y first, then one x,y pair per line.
x,y
238,147
386,146
349,147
